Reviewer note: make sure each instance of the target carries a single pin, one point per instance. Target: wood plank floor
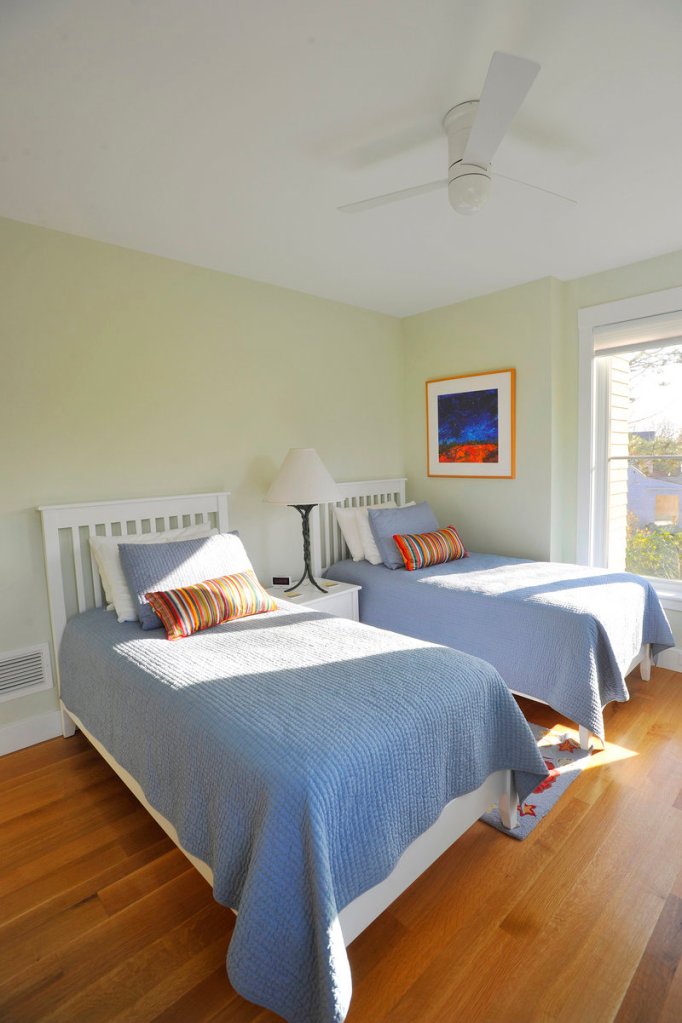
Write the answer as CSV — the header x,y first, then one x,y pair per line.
x,y
102,919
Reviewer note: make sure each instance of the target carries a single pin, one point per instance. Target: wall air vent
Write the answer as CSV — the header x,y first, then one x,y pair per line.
x,y
25,671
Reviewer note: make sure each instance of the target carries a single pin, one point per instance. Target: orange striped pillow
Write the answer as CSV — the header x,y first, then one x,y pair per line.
x,y
419,550
190,609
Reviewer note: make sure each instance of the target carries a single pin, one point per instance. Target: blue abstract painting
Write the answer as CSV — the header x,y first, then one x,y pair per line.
x,y
468,426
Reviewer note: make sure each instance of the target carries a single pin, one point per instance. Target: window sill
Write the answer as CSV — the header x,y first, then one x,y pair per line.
x,y
670,594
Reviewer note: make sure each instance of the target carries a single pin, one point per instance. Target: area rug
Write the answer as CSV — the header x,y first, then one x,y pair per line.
x,y
565,760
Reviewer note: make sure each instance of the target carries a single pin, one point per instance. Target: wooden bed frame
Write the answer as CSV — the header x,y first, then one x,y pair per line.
x,y
328,546
74,586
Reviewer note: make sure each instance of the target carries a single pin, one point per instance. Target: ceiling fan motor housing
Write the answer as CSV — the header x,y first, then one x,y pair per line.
x,y
468,183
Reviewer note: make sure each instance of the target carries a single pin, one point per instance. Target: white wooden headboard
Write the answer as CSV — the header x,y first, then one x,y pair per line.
x,y
327,543
73,582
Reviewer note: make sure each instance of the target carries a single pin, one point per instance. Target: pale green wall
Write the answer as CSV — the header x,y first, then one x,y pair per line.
x,y
126,375
102,349
534,328
511,328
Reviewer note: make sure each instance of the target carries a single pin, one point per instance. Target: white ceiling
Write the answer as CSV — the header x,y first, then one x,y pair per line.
x,y
225,133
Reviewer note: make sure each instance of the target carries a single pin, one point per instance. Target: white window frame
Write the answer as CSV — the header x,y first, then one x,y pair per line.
x,y
592,434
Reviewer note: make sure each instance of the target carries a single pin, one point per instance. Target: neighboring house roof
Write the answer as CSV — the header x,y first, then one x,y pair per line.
x,y
661,484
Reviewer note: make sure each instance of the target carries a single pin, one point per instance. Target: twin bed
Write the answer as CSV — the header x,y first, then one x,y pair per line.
x,y
559,634
310,767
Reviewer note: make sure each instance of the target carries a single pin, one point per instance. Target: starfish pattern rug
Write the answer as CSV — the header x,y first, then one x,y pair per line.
x,y
564,759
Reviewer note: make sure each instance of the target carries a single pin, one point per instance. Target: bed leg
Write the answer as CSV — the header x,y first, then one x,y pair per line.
x,y
509,802
68,724
645,664
585,737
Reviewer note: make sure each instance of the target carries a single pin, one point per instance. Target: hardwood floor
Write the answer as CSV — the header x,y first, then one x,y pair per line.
x,y
102,919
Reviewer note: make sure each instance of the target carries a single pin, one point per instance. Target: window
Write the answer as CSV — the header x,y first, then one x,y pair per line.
x,y
644,461
630,459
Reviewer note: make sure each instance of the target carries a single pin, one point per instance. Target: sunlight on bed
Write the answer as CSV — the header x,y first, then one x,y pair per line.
x,y
206,646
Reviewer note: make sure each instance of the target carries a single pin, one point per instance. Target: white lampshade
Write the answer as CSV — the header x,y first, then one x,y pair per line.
x,y
302,479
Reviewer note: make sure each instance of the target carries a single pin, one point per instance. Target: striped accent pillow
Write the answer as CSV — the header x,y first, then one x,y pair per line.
x,y
419,550
192,608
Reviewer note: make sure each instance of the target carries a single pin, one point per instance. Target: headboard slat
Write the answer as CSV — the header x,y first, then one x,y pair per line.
x,y
97,585
78,567
327,543
65,563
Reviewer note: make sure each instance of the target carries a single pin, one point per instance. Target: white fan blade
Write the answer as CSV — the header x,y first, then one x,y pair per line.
x,y
508,80
538,188
383,200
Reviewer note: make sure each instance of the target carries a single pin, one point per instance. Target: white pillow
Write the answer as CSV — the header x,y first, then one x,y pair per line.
x,y
105,553
369,547
370,551
347,520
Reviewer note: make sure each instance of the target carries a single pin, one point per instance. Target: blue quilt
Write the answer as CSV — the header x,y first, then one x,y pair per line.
x,y
298,755
564,634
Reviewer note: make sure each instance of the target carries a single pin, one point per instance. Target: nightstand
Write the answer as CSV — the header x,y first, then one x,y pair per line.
x,y
341,599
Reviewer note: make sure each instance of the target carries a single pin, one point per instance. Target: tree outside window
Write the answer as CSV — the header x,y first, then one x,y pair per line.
x,y
646,422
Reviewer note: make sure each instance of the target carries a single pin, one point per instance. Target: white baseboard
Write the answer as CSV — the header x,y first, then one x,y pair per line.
x,y
670,659
29,731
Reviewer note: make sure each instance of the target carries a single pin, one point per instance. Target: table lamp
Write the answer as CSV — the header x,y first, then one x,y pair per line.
x,y
303,482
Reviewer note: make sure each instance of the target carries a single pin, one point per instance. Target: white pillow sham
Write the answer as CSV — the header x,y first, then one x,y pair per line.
x,y
347,520
354,524
370,551
105,552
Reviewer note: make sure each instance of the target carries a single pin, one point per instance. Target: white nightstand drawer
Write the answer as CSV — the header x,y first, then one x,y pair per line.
x,y
341,599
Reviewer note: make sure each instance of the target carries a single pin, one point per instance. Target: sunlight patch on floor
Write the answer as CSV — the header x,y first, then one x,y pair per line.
x,y
611,752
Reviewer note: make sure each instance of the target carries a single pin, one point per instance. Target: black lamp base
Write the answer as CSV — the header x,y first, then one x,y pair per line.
x,y
305,510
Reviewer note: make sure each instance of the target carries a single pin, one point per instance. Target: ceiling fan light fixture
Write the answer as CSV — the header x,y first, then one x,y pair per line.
x,y
468,192
474,131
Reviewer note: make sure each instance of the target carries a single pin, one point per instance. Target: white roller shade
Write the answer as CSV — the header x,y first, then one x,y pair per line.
x,y
647,332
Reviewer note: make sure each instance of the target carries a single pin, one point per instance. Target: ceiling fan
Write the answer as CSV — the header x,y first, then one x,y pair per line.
x,y
474,131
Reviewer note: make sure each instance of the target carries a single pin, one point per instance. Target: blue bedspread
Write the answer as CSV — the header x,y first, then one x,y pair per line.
x,y
564,634
298,755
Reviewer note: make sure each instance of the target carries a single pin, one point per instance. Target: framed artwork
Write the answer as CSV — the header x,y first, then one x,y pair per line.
x,y
470,425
